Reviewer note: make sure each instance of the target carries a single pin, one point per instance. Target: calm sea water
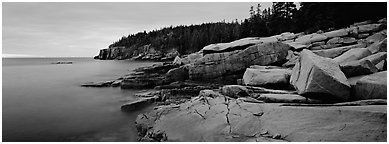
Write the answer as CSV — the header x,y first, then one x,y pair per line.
x,y
44,102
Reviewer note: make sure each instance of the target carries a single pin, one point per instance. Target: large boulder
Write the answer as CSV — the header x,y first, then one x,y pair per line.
x,y
262,76
336,33
360,67
379,46
373,86
320,78
376,58
334,52
352,55
377,37
235,45
215,65
308,39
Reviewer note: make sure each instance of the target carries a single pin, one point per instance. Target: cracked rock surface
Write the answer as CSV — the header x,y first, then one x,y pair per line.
x,y
215,117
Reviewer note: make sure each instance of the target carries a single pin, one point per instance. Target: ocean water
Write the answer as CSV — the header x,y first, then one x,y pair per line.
x,y
44,102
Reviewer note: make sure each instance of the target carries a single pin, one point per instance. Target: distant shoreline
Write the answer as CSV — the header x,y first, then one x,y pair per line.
x,y
48,57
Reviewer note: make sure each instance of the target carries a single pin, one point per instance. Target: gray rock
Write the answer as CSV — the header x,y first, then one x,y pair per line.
x,y
377,37
336,33
362,23
285,98
263,76
372,86
192,58
381,65
370,28
235,91
342,40
178,74
320,78
376,58
363,35
98,84
177,61
296,45
334,52
311,38
360,67
138,103
224,119
378,47
235,45
215,65
353,55
116,83
326,46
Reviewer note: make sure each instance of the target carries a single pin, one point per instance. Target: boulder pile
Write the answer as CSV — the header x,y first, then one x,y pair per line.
x,y
325,86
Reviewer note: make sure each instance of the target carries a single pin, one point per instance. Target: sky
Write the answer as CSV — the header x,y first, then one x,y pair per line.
x,y
81,29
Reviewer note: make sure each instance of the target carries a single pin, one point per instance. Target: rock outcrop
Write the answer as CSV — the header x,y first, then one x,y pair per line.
x,y
218,64
214,117
319,77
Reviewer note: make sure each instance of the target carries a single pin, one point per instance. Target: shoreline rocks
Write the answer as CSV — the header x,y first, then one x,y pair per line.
x,y
214,117
320,78
323,86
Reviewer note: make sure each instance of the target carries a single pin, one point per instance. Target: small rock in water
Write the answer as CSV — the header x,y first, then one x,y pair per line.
x,y
62,62
276,136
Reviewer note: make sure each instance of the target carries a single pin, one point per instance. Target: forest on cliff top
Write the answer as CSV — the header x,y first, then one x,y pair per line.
x,y
280,17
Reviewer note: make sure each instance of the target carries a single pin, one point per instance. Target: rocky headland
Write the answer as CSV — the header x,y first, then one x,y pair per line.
x,y
323,86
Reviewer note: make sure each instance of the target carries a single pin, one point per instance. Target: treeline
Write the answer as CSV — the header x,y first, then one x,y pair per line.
x,y
280,17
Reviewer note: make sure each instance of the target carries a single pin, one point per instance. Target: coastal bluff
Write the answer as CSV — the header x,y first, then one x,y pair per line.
x,y
324,86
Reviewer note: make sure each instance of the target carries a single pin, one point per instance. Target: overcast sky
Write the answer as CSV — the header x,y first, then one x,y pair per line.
x,y
81,29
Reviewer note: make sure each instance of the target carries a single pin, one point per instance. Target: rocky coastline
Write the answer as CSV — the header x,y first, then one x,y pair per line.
x,y
324,86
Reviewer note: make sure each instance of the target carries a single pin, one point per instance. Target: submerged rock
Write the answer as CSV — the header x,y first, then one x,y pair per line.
x,y
320,78
98,84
